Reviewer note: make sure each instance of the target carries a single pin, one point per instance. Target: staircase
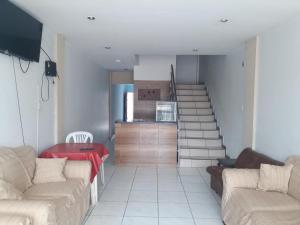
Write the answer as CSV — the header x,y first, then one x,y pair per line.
x,y
199,140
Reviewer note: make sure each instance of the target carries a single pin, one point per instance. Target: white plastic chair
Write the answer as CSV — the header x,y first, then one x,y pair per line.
x,y
83,137
79,137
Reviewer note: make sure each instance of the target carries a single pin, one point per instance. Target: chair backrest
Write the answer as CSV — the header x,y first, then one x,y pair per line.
x,y
79,137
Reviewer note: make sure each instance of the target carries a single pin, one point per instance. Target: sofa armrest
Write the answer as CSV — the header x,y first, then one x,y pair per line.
x,y
238,178
78,169
228,163
39,212
215,170
14,219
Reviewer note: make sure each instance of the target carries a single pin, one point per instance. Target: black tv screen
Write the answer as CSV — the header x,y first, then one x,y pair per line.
x,y
20,33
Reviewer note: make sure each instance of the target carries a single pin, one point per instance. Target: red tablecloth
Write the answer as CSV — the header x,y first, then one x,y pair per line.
x,y
96,154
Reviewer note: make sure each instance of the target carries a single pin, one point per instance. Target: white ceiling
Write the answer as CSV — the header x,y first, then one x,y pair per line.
x,y
158,27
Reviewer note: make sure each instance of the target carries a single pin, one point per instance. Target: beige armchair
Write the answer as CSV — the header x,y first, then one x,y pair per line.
x,y
53,203
244,204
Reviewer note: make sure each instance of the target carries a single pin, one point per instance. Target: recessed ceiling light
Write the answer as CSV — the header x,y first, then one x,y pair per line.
x,y
91,18
107,47
118,60
224,20
195,50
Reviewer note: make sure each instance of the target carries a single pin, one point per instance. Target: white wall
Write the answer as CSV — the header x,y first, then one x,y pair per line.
x,y
86,95
225,82
86,91
278,107
202,68
121,77
154,67
190,69
29,91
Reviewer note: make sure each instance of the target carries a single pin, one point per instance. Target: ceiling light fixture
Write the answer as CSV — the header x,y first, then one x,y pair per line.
x,y
118,60
107,47
224,20
91,18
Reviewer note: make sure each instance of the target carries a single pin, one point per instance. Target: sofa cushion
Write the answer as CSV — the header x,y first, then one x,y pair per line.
x,y
294,184
27,155
244,202
278,218
9,192
72,189
68,198
12,170
49,170
40,212
253,200
275,178
13,219
62,210
62,206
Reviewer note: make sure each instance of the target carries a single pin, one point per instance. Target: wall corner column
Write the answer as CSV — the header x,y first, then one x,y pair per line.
x,y
58,90
251,73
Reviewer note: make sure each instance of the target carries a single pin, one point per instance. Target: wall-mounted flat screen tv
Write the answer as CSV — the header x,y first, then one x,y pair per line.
x,y
20,33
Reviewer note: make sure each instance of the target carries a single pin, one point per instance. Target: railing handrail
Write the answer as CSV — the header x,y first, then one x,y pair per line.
x,y
173,84
174,91
174,98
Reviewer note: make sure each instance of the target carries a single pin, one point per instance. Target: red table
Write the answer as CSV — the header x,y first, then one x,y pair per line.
x,y
95,153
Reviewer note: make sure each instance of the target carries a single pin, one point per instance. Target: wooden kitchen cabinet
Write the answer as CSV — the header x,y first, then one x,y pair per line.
x,y
146,143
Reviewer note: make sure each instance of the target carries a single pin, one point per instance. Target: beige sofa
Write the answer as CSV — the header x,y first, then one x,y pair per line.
x,y
243,204
60,203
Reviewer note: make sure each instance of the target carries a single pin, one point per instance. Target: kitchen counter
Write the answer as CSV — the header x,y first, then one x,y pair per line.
x,y
146,142
145,122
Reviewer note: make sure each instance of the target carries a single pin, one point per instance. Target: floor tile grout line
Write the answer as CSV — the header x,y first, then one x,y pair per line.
x,y
106,185
187,198
211,192
129,195
88,215
133,174
93,207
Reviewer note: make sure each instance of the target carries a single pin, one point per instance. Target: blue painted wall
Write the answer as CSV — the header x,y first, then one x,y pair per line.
x,y
118,92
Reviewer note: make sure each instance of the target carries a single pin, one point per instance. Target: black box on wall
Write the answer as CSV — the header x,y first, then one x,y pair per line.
x,y
50,69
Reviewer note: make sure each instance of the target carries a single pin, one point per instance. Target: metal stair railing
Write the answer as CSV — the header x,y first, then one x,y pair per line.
x,y
174,99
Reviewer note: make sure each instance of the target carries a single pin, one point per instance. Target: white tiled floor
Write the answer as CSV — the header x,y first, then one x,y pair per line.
x,y
156,196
